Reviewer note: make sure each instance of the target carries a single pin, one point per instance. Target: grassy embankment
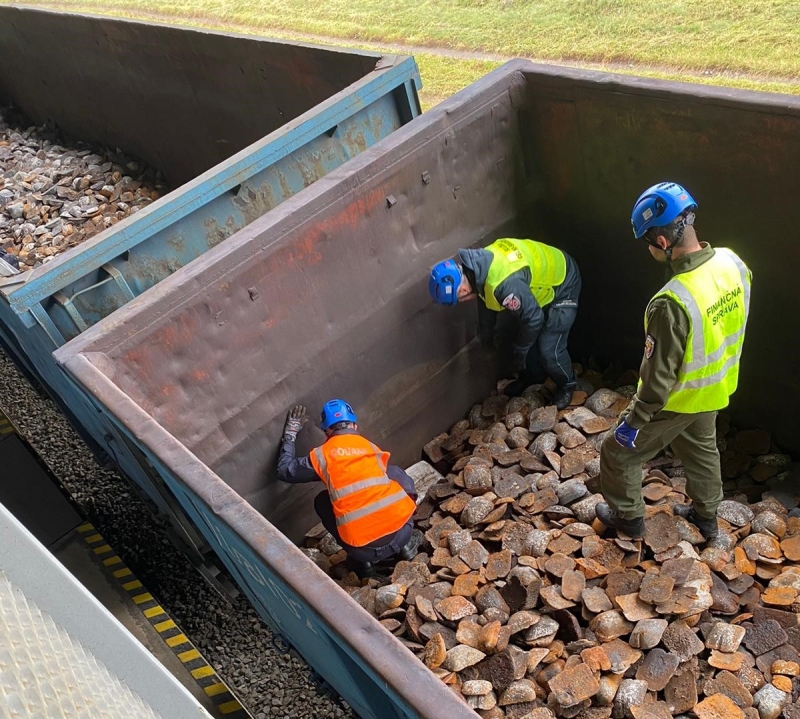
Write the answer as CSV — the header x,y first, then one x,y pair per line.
x,y
738,43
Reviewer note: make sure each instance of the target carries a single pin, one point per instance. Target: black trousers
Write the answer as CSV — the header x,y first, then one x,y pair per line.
x,y
549,356
381,548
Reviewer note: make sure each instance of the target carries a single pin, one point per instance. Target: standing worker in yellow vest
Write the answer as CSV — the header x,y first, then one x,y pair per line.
x,y
367,504
539,286
694,331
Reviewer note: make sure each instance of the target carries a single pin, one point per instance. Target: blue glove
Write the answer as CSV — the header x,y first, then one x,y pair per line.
x,y
626,435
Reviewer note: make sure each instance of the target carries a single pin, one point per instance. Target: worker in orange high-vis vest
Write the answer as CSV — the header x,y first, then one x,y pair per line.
x,y
368,504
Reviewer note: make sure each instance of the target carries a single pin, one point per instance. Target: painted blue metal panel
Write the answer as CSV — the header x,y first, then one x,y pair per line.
x,y
289,614
42,309
370,669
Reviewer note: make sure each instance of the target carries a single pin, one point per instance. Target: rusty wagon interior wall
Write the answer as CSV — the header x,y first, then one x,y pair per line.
x,y
183,100
327,296
592,147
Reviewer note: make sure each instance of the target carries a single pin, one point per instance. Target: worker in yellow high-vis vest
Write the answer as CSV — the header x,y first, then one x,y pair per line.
x,y
533,285
694,330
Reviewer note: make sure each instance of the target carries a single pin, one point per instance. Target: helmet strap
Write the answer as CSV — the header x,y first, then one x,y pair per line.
x,y
470,275
684,221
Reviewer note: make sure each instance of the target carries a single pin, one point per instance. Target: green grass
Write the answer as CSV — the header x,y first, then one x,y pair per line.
x,y
753,44
443,76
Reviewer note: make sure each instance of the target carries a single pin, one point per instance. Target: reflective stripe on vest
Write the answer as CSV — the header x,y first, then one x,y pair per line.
x,y
348,489
367,504
547,265
398,496
716,298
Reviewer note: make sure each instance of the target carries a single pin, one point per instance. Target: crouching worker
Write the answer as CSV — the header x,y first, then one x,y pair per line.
x,y
367,504
539,285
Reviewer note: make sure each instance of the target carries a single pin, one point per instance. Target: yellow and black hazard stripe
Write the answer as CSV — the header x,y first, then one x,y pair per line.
x,y
5,425
198,667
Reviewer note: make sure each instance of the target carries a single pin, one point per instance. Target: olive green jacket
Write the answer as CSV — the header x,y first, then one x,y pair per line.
x,y
667,330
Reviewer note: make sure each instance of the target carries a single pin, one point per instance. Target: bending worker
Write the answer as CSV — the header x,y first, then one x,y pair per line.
x,y
539,286
694,331
367,503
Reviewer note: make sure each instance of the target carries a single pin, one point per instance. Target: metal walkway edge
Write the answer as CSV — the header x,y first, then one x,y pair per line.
x,y
100,561
62,653
208,680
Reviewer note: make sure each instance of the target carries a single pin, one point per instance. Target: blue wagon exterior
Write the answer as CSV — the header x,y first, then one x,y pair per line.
x,y
238,124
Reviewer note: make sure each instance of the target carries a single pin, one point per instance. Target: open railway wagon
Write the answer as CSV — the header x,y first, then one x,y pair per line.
x,y
327,296
236,125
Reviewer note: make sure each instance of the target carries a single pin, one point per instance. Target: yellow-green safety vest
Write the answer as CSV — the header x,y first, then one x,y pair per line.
x,y
716,298
547,265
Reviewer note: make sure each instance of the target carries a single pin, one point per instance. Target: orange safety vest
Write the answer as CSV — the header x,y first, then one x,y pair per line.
x,y
366,503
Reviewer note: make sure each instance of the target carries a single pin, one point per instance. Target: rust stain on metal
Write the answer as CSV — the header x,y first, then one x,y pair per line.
x,y
214,233
355,141
253,202
286,190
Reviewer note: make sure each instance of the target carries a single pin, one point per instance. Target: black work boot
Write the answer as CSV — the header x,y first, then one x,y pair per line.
x,y
563,396
708,527
519,385
411,549
365,570
634,528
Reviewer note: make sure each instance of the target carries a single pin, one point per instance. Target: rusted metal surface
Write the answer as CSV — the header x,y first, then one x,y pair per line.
x,y
327,295
376,674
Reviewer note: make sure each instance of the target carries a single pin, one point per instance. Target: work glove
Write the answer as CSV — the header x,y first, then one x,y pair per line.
x,y
294,423
626,435
516,364
510,367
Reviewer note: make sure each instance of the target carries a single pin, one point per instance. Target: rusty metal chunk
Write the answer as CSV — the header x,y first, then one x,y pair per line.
x,y
718,706
660,533
435,651
655,710
764,636
657,669
574,685
497,669
680,694
656,588
682,641
621,655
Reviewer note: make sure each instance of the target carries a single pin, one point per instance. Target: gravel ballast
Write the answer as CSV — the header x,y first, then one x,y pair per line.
x,y
232,637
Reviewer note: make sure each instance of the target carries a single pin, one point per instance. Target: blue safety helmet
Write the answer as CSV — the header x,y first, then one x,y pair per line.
x,y
443,283
659,205
335,411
